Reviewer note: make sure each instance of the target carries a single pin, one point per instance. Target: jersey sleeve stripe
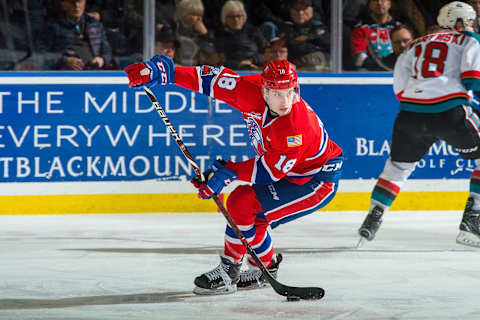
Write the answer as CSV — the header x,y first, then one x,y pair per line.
x,y
199,77
310,173
471,80
214,81
207,77
263,175
323,146
470,74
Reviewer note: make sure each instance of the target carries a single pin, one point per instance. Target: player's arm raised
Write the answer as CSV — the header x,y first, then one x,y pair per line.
x,y
213,81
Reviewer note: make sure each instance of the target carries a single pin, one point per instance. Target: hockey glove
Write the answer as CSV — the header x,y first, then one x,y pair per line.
x,y
219,180
209,175
159,70
197,180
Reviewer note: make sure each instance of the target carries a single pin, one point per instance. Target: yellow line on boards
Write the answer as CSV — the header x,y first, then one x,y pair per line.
x,y
187,202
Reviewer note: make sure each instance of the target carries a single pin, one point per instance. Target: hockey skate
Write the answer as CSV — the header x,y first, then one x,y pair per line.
x,y
470,226
253,277
221,280
371,224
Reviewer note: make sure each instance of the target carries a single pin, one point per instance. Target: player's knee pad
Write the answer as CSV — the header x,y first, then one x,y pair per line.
x,y
243,203
397,171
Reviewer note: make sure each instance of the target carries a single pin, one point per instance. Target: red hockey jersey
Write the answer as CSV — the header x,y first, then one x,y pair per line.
x,y
295,146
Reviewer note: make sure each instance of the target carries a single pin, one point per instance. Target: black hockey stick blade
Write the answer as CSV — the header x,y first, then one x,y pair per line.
x,y
305,293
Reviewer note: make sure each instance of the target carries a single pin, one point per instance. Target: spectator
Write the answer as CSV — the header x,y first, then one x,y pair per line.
x,y
277,50
76,40
112,15
401,35
476,6
166,43
240,43
308,39
370,39
196,42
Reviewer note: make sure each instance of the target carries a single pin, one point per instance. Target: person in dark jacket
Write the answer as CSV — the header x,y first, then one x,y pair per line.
x,y
308,39
241,44
197,45
75,41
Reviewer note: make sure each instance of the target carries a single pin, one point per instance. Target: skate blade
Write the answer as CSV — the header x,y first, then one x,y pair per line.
x,y
468,239
361,242
214,292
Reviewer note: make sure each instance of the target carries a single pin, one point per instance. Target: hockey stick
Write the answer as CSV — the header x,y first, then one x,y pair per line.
x,y
292,293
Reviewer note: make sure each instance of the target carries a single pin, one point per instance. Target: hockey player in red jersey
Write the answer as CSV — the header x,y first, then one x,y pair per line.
x,y
295,172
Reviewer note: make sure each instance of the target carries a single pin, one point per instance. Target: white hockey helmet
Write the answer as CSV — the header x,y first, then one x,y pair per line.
x,y
451,12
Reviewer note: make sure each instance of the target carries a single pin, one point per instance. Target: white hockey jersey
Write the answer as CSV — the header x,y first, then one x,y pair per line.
x,y
435,72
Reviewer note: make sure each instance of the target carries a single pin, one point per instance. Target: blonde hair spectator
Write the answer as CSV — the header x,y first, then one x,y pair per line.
x,y
229,6
185,8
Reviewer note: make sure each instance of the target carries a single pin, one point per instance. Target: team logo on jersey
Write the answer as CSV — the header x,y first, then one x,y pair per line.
x,y
294,141
380,42
255,136
208,70
255,115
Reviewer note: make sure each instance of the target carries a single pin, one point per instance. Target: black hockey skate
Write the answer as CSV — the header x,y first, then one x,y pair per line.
x,y
221,280
470,226
371,223
253,278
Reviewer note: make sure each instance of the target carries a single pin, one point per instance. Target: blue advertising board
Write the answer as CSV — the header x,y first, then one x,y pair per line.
x,y
70,127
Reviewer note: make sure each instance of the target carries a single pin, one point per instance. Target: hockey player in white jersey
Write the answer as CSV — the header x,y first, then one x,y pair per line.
x,y
432,78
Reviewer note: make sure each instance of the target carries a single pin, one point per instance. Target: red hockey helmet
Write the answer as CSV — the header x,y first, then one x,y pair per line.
x,y
279,75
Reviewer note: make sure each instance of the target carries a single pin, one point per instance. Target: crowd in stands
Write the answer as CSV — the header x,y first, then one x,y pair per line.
x,y
240,34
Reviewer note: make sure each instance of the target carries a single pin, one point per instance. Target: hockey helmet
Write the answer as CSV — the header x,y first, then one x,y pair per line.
x,y
451,12
279,75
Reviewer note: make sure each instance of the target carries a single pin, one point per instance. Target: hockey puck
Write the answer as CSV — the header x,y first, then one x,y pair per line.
x,y
293,298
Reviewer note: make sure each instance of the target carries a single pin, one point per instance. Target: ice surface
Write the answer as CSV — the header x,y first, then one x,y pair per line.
x,y
142,266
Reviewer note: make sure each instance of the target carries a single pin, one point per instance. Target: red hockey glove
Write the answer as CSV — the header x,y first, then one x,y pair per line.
x,y
159,70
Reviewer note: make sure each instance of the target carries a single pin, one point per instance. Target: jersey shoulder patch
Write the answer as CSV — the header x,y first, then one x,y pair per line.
x,y
294,141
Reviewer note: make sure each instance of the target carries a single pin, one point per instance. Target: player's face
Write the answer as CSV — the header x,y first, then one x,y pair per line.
x,y
280,101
